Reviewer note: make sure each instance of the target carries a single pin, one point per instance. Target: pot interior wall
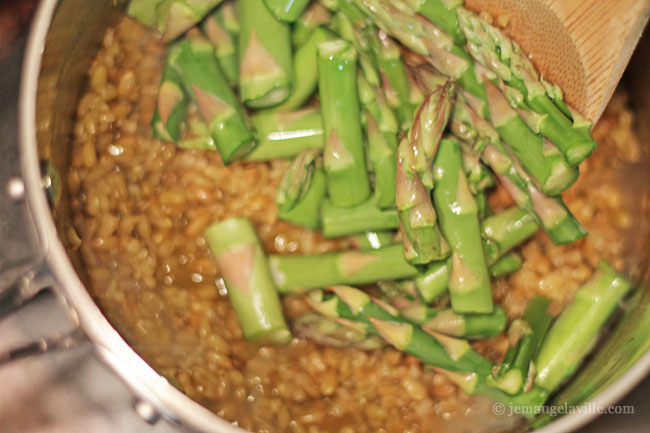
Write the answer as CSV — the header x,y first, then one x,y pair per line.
x,y
72,42
76,34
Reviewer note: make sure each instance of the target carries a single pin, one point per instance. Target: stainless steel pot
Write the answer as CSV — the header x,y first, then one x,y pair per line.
x,y
64,37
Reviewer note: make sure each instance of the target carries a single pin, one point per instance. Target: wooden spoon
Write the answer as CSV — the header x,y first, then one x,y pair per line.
x,y
581,45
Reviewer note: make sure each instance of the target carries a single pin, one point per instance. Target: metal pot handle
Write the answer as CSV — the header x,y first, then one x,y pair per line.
x,y
23,278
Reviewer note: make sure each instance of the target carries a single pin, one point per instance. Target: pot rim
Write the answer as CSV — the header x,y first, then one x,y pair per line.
x,y
143,380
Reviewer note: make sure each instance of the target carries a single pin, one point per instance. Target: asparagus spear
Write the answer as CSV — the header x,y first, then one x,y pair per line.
x,y
144,11
384,321
517,371
479,177
539,158
454,357
265,64
314,16
284,135
199,136
433,281
443,14
423,242
297,274
373,240
327,332
400,21
446,321
483,205
492,49
574,333
397,19
381,128
307,211
400,294
500,232
221,29
174,17
504,231
430,122
287,10
550,212
343,221
374,103
297,179
169,117
204,81
509,263
239,254
469,283
344,156
305,70
382,155
395,80
350,24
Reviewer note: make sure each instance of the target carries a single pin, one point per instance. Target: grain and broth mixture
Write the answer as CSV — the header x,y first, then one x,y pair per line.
x,y
141,207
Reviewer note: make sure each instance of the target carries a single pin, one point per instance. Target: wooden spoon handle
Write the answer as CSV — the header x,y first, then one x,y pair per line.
x,y
582,45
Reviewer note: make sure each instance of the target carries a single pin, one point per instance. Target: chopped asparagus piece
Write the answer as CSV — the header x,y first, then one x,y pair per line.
x,y
244,268
296,274
204,81
469,282
284,135
265,63
344,156
575,332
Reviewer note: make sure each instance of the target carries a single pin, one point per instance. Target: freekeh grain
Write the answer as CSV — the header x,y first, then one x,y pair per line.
x,y
141,206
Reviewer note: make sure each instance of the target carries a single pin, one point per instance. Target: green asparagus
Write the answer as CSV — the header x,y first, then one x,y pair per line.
x,y
492,49
144,11
395,80
374,240
421,236
343,221
344,156
447,322
305,70
549,212
574,333
174,17
538,157
169,118
244,268
469,282
314,16
443,14
500,232
204,81
307,212
509,263
224,39
517,371
454,357
297,179
287,10
265,63
285,135
328,332
385,321
297,274
382,155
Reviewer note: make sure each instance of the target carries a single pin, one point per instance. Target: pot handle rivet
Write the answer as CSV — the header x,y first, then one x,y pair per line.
x,y
146,411
16,189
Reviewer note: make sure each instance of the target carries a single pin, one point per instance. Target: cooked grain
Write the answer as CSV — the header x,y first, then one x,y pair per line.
x,y
141,206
